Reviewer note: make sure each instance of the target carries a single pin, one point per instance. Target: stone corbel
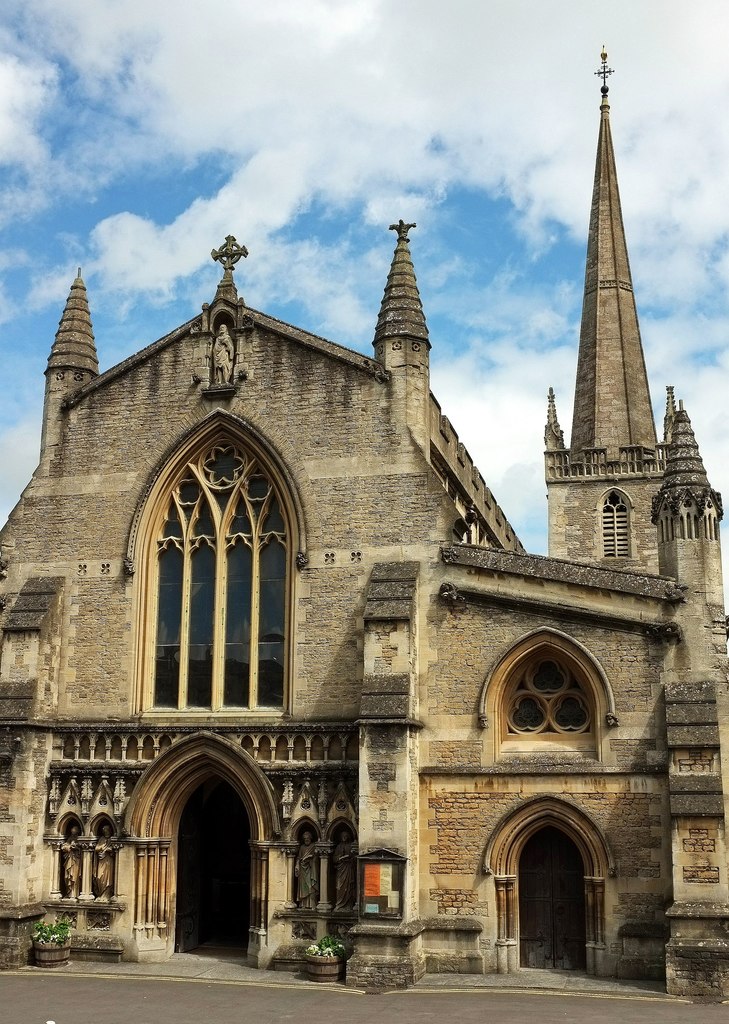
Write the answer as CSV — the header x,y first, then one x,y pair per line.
x,y
450,593
665,631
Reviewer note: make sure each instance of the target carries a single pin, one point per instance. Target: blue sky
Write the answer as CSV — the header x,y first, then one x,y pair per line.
x,y
134,136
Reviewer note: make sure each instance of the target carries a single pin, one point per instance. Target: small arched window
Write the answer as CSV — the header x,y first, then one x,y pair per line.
x,y
615,532
220,573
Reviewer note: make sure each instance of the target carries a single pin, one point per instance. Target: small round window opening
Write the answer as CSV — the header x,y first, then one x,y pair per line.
x,y
548,700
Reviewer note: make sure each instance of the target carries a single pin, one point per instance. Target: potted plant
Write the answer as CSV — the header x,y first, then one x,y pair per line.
x,y
51,943
326,959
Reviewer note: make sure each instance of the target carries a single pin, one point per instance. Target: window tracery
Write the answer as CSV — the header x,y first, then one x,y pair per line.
x,y
222,569
547,699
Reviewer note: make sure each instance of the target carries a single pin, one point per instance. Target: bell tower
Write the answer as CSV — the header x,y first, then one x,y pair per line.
x,y
600,488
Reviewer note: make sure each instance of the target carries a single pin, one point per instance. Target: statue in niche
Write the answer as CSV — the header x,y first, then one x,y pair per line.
x,y
71,864
345,879
103,873
223,356
307,888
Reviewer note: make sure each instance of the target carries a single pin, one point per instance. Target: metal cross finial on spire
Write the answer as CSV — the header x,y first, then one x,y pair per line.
x,y
229,254
402,230
604,72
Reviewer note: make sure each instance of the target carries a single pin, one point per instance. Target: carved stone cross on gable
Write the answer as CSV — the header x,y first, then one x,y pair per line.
x,y
229,254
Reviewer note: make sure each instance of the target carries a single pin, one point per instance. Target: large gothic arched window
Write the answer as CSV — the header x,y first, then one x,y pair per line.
x,y
221,566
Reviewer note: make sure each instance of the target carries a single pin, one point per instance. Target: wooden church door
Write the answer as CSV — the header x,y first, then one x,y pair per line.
x,y
551,902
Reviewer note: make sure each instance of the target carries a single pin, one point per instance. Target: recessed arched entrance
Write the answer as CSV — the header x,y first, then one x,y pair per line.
x,y
551,902
583,862
213,869
154,819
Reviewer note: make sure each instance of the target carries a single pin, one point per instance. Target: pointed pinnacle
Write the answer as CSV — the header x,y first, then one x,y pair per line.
x,y
74,347
401,311
553,433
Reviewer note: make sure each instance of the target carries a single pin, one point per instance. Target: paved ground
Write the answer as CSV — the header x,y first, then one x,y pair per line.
x,y
191,989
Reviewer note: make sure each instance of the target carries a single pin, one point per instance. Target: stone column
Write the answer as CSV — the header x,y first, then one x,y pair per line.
x,y
324,905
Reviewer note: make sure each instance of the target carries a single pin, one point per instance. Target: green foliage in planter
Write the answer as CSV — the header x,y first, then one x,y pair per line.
x,y
329,946
55,933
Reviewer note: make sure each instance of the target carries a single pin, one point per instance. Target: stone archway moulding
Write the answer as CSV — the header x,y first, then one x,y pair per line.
x,y
216,423
157,803
550,643
516,828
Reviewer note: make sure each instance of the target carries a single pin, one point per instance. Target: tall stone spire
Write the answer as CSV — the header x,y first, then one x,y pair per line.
x,y
401,311
74,347
612,401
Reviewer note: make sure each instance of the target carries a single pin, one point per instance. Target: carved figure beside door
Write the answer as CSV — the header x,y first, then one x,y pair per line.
x,y
71,864
307,882
104,858
345,874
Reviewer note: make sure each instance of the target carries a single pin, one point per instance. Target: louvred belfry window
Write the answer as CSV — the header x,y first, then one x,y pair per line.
x,y
615,540
222,579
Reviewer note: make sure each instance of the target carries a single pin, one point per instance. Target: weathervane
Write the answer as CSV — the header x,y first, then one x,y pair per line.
x,y
229,254
604,72
402,230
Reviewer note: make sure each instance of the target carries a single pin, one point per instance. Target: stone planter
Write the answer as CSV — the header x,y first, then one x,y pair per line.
x,y
325,968
48,954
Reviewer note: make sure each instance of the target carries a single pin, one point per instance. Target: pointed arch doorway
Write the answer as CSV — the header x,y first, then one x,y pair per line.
x,y
213,869
551,902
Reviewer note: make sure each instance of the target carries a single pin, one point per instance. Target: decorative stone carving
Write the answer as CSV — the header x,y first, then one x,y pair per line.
x,y
98,921
302,560
321,802
304,930
103,872
611,720
223,357
287,799
71,864
345,872
307,887
229,254
664,631
4,566
449,555
450,593
129,567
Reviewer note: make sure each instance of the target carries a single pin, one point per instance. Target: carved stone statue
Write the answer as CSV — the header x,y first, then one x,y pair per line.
x,y
307,889
223,356
104,856
345,884
71,864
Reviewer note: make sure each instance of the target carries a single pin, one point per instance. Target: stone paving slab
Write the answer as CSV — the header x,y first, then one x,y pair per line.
x,y
233,969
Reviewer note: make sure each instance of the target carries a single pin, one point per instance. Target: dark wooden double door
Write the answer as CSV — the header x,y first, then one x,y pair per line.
x,y
551,902
213,870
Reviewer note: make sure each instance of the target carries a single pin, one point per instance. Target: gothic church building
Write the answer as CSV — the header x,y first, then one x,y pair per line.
x,y
275,665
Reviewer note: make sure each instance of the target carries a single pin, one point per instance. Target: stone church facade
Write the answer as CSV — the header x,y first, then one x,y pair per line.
x,y
274,664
